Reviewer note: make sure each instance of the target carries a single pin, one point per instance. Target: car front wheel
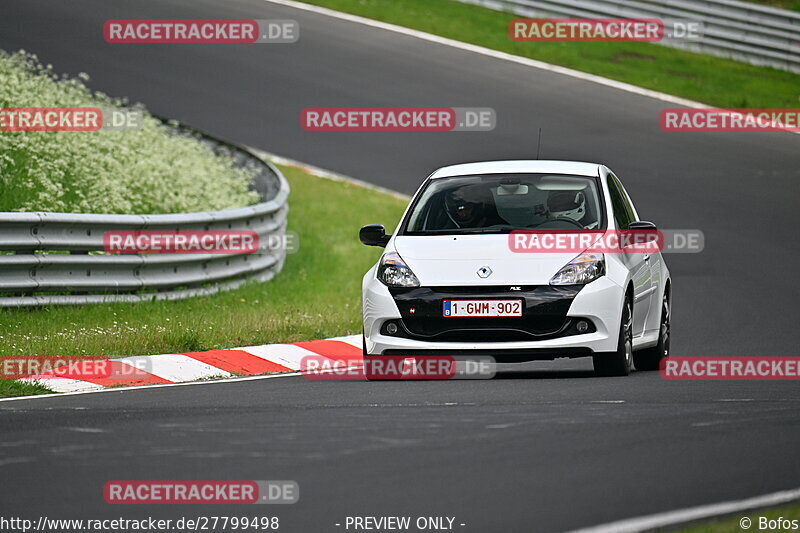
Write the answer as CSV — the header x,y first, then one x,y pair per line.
x,y
618,363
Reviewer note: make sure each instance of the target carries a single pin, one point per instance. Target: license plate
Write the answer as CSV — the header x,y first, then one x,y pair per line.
x,y
461,308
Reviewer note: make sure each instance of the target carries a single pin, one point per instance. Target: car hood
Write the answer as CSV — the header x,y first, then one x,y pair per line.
x,y
448,260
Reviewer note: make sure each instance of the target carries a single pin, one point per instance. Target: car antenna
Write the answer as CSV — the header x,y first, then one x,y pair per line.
x,y
539,144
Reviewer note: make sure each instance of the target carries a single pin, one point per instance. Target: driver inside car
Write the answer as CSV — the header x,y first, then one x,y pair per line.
x,y
472,206
568,204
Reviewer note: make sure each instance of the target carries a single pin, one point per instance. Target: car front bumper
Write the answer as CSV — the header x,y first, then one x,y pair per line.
x,y
546,330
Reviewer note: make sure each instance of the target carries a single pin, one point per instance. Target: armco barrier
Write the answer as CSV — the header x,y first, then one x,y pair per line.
x,y
58,258
743,31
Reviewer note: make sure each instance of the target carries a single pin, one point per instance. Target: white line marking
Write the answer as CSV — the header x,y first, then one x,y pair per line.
x,y
491,53
706,424
15,460
681,516
734,400
324,173
146,387
622,86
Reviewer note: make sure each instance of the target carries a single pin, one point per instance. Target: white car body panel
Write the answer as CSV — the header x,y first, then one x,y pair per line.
x,y
449,260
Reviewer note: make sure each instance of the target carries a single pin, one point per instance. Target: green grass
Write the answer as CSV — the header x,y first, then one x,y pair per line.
x,y
10,387
712,80
731,525
793,5
317,295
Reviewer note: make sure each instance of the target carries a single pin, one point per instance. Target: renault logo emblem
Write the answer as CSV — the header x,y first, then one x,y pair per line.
x,y
484,272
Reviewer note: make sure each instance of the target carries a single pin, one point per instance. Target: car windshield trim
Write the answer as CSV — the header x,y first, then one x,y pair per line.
x,y
503,204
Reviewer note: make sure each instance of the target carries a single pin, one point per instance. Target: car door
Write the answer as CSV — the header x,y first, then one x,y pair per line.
x,y
636,262
654,263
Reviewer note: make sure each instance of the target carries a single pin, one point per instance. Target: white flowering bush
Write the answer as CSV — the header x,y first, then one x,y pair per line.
x,y
146,170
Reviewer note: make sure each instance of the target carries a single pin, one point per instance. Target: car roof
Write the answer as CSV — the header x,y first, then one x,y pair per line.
x,y
576,168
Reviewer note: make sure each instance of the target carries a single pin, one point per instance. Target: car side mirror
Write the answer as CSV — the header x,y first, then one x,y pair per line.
x,y
374,235
641,224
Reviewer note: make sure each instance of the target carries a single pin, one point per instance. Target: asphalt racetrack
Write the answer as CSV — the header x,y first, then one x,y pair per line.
x,y
550,448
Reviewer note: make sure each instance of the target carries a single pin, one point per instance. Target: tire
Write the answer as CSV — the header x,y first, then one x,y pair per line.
x,y
618,363
650,358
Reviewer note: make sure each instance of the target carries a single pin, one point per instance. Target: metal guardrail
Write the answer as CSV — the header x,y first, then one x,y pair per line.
x,y
82,273
742,31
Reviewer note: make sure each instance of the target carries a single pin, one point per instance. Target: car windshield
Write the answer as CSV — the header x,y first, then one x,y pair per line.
x,y
500,203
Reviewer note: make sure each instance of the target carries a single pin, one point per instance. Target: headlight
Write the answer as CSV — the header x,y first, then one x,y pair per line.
x,y
393,272
581,270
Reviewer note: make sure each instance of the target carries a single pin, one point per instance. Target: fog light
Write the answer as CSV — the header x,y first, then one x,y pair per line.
x,y
391,328
582,326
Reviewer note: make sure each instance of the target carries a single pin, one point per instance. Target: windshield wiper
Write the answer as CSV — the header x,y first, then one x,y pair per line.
x,y
501,229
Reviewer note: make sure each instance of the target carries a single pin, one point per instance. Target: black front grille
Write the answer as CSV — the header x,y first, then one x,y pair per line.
x,y
544,314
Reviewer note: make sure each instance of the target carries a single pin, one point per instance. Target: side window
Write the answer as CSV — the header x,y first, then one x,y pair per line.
x,y
623,214
626,199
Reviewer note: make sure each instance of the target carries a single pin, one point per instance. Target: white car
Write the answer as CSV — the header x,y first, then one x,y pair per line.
x,y
450,283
